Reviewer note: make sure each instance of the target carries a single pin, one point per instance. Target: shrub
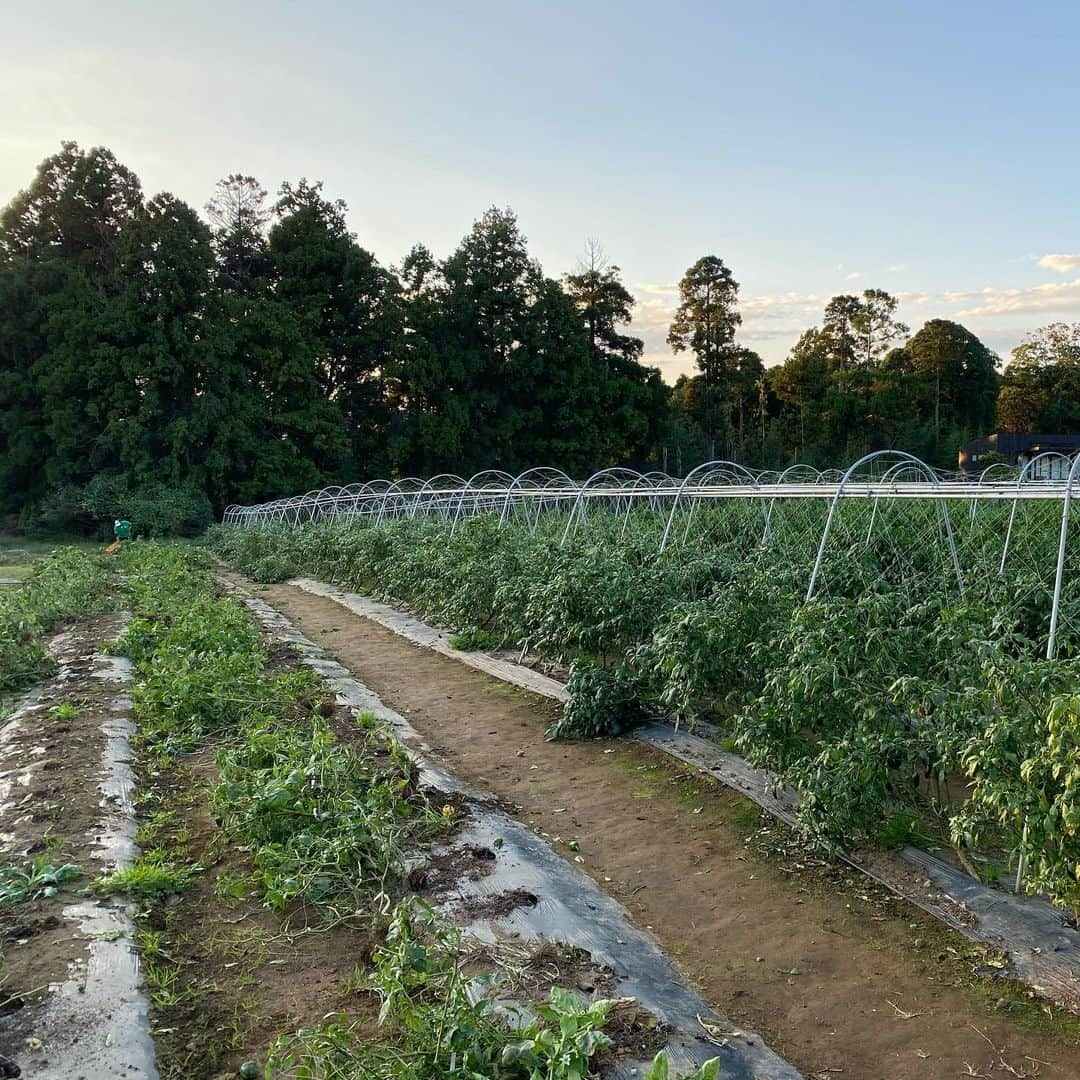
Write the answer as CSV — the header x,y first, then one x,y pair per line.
x,y
602,703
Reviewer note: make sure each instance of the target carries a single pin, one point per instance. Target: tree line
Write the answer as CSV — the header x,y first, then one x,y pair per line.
x,y
151,353
857,382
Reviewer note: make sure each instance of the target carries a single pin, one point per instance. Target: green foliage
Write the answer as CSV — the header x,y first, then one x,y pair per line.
x,y
435,1022
326,821
37,880
270,569
602,703
66,583
156,510
659,1069
154,365
872,700
473,639
152,877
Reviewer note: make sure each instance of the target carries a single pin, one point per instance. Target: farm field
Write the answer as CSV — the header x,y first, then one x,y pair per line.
x,y
295,867
904,702
805,952
290,902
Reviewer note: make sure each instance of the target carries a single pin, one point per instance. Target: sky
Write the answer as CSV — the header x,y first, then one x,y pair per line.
x,y
929,149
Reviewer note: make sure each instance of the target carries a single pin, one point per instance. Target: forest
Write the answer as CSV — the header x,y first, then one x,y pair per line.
x,y
159,361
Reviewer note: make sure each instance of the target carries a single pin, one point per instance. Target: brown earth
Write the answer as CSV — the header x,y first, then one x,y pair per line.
x,y
225,975
839,977
51,763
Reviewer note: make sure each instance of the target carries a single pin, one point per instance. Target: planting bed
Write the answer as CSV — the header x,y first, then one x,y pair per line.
x,y
1043,950
899,711
833,972
309,899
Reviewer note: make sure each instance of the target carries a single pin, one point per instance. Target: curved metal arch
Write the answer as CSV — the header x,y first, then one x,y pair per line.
x,y
656,484
1059,573
429,488
396,493
616,473
477,483
785,476
549,474
983,477
1020,480
705,468
838,494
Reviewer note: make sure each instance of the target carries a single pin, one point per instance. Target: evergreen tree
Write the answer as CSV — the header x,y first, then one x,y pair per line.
x,y
705,322
348,310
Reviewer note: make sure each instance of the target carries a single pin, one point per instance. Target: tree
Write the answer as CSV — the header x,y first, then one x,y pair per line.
x,y
874,326
348,309
605,304
163,311
839,334
60,244
630,395
293,436
958,374
801,383
1040,389
705,322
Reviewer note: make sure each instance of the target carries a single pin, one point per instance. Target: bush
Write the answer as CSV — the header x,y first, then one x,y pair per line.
x,y
156,510
602,703
271,568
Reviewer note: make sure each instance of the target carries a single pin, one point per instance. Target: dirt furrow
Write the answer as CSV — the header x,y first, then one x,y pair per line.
x,y
834,974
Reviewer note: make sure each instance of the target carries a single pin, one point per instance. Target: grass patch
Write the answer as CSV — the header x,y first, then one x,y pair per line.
x,y
473,639
151,877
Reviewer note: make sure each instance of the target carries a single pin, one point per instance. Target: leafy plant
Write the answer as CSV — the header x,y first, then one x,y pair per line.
x,y
435,1022
602,703
472,638
37,880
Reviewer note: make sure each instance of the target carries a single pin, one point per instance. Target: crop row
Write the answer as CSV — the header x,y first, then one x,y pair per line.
x,y
902,705
68,582
329,823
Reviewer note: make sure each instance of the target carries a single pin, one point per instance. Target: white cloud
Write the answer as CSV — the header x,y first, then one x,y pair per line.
x,y
773,322
657,290
853,276
1062,298
896,268
1061,263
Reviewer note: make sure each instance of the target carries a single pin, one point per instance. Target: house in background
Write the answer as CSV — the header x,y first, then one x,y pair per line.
x,y
1018,450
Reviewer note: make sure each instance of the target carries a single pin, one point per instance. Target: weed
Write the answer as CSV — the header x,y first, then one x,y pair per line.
x,y
151,877
473,639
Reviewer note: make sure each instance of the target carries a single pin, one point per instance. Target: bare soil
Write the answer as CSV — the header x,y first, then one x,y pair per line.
x,y
839,977
48,768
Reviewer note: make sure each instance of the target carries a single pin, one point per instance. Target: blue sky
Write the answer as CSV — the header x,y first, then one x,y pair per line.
x,y
928,149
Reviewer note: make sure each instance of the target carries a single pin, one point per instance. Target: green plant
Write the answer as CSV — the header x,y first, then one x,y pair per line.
x,y
868,699
326,821
435,1022
472,638
602,703
36,880
659,1070
151,877
66,583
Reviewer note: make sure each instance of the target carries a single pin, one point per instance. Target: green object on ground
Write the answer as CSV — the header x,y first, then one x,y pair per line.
x,y
122,529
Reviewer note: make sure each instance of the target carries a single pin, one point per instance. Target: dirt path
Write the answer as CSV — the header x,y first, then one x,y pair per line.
x,y
833,975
